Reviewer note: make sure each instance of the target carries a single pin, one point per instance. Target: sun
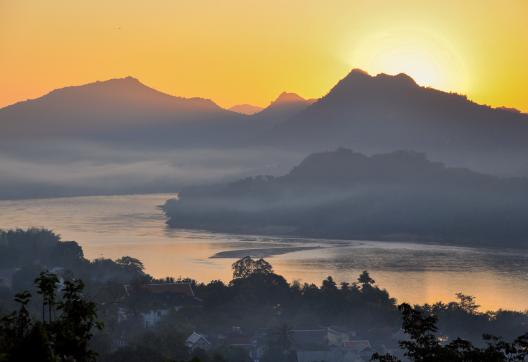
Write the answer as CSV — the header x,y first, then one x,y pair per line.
x,y
428,58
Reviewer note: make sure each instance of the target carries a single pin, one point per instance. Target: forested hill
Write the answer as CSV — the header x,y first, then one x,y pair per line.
x,y
344,194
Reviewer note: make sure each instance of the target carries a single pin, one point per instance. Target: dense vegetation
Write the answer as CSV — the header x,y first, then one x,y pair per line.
x,y
424,345
257,301
62,334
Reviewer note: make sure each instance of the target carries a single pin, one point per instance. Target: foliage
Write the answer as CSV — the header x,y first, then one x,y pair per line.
x,y
259,301
247,266
424,345
130,264
365,280
64,338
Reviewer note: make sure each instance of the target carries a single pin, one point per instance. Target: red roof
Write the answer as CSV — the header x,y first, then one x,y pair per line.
x,y
183,289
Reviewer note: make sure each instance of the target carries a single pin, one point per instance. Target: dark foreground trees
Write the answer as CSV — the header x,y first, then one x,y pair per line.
x,y
424,345
64,332
262,305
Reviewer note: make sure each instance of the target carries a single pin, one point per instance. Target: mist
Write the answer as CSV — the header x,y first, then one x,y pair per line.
x,y
44,169
343,194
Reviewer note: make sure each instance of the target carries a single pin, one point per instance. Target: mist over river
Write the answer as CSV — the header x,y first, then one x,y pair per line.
x,y
113,226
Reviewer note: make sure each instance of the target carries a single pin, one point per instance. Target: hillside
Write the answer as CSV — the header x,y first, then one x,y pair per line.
x,y
116,109
344,194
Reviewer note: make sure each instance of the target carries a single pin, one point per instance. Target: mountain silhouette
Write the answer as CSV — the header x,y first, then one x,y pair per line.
x,y
384,113
284,107
132,122
247,109
117,108
400,195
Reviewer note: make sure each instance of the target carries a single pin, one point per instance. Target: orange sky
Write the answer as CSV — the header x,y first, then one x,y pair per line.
x,y
244,51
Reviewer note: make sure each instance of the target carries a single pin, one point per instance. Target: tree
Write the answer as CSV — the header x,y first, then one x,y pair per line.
x,y
329,285
247,266
424,346
78,319
365,280
467,303
46,286
64,338
131,264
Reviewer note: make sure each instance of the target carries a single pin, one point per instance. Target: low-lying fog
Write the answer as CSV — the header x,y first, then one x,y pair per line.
x,y
64,169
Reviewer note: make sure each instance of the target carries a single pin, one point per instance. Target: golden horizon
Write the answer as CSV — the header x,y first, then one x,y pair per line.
x,y
233,55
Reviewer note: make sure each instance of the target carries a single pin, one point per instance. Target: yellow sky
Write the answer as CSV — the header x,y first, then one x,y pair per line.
x,y
245,51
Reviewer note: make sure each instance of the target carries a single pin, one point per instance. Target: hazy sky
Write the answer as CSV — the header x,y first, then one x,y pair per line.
x,y
244,51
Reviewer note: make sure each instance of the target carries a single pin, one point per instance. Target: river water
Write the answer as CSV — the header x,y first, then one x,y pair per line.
x,y
113,226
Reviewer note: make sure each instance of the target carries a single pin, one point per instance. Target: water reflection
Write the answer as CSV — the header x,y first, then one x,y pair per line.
x,y
133,225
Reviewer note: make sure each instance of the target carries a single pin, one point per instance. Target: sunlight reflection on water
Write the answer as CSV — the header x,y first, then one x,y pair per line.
x,y
112,226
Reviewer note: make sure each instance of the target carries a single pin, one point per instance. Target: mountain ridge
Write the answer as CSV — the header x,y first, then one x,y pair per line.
x,y
344,194
384,113
119,108
122,84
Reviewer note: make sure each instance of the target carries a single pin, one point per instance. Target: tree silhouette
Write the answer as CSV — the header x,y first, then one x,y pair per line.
x,y
365,280
247,266
64,338
46,286
131,264
424,345
467,303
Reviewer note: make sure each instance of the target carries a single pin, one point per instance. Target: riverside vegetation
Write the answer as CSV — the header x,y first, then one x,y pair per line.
x,y
74,320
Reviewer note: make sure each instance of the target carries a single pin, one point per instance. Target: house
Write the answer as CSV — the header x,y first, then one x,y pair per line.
x,y
357,350
317,338
197,341
119,342
337,336
330,344
180,289
122,314
152,317
247,343
309,339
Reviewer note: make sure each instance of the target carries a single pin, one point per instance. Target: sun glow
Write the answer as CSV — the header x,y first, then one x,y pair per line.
x,y
222,51
429,59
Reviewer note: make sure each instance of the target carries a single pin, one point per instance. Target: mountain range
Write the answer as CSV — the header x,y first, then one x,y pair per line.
x,y
69,140
371,114
384,113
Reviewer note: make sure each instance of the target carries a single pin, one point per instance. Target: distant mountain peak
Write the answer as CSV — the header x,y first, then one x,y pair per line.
x,y
358,72
400,78
359,81
128,78
126,89
247,109
288,97
113,84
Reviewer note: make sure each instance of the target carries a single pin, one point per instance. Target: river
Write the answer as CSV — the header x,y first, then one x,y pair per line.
x,y
113,226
